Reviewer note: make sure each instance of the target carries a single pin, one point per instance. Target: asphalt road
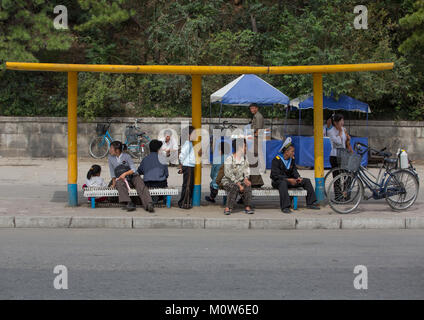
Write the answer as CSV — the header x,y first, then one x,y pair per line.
x,y
207,264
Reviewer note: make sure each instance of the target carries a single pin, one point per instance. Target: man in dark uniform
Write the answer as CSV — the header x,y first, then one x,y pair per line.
x,y
284,175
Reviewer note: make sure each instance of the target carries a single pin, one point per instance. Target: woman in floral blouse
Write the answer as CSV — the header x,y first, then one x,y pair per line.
x,y
236,177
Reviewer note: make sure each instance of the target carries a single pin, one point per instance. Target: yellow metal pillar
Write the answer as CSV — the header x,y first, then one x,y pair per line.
x,y
72,138
318,136
196,120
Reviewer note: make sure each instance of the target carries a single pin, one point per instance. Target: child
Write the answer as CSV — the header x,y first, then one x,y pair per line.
x,y
93,177
217,163
94,180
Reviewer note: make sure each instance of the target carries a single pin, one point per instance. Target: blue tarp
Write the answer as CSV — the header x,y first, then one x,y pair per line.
x,y
304,150
343,103
247,89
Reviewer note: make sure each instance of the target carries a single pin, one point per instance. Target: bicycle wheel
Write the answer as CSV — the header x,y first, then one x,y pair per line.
x,y
345,193
401,189
99,146
329,177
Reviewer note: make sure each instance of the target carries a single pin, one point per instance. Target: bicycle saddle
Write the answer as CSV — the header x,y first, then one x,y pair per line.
x,y
386,154
390,160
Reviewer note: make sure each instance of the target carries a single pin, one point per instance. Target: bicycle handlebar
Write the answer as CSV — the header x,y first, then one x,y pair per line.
x,y
367,148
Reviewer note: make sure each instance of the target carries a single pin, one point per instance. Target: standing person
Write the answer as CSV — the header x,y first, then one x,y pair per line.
x,y
123,173
236,177
153,169
169,147
339,138
284,175
257,125
257,120
328,125
187,163
216,166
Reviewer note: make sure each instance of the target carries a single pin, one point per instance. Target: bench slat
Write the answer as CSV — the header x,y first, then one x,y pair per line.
x,y
267,192
112,192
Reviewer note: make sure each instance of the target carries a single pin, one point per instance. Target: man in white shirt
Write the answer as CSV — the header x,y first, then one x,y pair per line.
x,y
169,147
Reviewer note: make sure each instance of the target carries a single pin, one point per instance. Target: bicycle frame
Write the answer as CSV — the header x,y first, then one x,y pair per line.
x,y
375,187
107,137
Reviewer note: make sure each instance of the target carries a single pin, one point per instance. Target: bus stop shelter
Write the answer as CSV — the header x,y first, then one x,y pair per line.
x,y
196,73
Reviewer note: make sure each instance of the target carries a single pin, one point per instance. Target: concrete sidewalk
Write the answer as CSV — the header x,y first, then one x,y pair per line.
x,y
33,194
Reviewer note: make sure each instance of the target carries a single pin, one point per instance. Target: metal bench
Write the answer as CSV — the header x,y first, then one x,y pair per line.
x,y
96,192
270,192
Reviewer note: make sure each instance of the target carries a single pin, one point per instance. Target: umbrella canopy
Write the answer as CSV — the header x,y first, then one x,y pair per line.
x,y
343,103
247,89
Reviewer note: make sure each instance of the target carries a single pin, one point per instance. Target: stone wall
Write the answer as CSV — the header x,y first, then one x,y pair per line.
x,y
47,136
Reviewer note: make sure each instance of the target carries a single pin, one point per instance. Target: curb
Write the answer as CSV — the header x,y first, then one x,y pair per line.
x,y
289,223
374,223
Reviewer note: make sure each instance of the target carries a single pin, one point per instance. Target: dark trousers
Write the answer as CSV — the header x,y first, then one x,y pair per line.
x,y
233,190
142,190
283,187
154,185
187,188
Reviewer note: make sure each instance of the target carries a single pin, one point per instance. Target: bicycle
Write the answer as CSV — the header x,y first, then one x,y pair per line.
x,y
388,163
398,186
136,141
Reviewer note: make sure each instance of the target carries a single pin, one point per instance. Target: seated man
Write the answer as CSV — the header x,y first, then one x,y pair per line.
x,y
123,173
154,169
284,175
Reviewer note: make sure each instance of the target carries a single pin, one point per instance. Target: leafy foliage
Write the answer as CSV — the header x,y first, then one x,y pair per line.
x,y
214,32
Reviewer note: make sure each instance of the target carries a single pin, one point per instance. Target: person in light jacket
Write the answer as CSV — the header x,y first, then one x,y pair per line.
x,y
236,178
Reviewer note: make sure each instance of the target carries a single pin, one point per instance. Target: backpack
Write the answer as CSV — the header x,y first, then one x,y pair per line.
x,y
220,175
122,168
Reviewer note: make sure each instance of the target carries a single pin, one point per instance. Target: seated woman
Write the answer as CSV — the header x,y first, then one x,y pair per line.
x,y
122,161
153,168
284,175
236,177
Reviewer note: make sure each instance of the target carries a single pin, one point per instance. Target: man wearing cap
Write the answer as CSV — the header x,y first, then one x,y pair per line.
x,y
284,175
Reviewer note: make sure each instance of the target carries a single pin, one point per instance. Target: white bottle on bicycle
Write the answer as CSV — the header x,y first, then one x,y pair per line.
x,y
403,159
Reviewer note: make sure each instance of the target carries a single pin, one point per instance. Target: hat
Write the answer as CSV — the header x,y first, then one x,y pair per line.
x,y
286,144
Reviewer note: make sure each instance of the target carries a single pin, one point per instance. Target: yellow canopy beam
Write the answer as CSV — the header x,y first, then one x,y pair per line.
x,y
200,70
